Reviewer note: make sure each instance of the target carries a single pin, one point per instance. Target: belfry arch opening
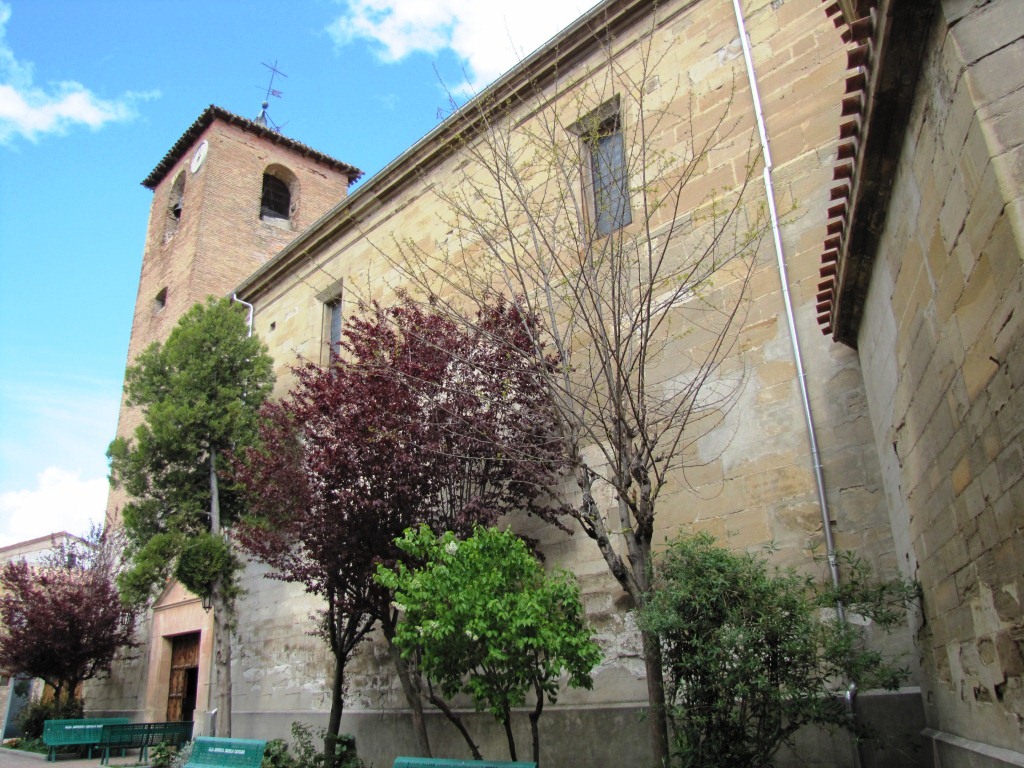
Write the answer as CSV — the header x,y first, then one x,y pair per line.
x,y
279,197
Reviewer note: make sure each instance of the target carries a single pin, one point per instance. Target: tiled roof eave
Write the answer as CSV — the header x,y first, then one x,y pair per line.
x,y
212,113
884,56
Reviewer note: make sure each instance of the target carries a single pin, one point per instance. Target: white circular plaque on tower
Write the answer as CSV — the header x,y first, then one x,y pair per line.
x,y
199,156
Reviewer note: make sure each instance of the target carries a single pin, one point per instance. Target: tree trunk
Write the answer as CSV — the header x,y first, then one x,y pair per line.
x,y
636,581
412,696
214,494
506,720
657,717
455,720
334,721
221,693
534,722
221,690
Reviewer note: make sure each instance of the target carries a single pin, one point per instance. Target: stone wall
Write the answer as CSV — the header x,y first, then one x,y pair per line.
x,y
943,353
751,480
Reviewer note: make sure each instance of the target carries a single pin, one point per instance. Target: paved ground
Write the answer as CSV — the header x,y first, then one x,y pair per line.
x,y
12,758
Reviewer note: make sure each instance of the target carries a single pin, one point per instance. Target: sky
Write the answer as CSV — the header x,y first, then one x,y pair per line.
x,y
93,93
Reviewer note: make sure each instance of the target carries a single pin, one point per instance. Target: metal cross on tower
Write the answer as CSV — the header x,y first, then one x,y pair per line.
x,y
263,118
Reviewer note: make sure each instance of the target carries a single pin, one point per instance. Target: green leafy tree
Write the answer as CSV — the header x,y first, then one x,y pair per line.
x,y
200,393
485,620
748,656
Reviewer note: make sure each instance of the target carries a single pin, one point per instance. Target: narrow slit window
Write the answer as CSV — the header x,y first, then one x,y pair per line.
x,y
175,205
160,300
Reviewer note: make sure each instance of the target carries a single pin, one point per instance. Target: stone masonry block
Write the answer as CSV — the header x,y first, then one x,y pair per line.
x,y
1010,468
986,29
998,74
954,211
986,209
975,157
1001,122
975,306
944,597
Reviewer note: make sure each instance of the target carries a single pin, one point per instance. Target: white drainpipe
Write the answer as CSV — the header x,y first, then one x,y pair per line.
x,y
826,518
234,297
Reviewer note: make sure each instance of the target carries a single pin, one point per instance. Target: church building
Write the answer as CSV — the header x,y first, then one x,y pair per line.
x,y
880,345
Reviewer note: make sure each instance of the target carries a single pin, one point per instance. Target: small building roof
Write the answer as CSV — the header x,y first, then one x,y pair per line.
x,y
211,113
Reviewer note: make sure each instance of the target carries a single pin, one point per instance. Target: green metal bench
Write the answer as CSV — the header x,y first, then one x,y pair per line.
x,y
440,762
214,752
75,733
142,736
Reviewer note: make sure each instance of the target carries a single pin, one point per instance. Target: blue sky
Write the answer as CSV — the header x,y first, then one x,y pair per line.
x,y
92,95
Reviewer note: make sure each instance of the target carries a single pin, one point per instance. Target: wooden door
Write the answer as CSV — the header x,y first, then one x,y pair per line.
x,y
181,697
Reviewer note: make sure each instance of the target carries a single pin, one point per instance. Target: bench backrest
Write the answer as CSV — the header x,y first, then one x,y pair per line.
x,y
440,762
145,734
81,731
226,753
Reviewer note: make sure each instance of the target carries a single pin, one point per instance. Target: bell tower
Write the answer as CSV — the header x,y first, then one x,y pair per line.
x,y
228,196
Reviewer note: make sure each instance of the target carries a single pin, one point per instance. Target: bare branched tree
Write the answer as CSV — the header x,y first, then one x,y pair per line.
x,y
619,214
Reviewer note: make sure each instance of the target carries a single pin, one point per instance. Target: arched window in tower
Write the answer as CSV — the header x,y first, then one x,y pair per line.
x,y
277,199
280,199
175,203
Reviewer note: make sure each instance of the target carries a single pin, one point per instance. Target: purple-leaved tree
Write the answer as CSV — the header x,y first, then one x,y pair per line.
x,y
402,429
61,619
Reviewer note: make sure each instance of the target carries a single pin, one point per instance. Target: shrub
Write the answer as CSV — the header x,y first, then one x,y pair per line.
x,y
180,758
37,712
27,745
162,755
483,618
308,752
276,755
749,654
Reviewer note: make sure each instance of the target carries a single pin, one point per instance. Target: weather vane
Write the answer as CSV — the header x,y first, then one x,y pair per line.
x,y
263,118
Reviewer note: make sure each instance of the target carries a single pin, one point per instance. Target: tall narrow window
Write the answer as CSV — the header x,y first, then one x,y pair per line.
x,y
276,199
606,174
333,322
334,308
332,298
608,171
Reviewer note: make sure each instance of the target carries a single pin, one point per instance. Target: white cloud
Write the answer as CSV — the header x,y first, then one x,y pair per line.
x,y
488,37
53,418
61,501
29,111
